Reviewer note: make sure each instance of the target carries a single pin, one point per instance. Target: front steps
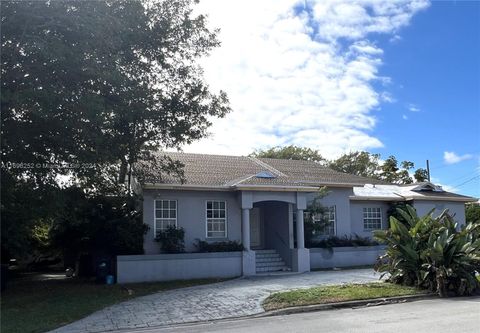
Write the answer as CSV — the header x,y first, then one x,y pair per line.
x,y
269,261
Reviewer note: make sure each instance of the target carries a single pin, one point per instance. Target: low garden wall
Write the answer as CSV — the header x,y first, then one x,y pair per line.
x,y
344,256
179,266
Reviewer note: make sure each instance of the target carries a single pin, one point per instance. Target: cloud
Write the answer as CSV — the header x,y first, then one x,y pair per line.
x,y
404,117
413,108
450,157
299,72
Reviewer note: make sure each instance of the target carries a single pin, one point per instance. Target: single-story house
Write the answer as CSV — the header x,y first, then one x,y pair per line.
x,y
260,202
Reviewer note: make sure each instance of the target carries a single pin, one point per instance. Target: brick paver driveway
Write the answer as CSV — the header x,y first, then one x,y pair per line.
x,y
233,298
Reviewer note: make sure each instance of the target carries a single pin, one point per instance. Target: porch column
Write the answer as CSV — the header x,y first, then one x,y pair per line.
x,y
246,228
300,234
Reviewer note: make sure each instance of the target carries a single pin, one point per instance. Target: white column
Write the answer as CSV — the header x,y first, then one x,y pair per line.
x,y
246,228
300,236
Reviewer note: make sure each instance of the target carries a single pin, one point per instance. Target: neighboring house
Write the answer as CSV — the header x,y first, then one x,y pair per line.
x,y
257,200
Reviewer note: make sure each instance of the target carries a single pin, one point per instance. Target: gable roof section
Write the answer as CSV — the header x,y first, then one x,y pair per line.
x,y
240,172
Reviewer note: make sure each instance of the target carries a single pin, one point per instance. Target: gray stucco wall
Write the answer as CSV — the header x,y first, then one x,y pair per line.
x,y
191,215
345,256
457,209
356,216
339,197
182,266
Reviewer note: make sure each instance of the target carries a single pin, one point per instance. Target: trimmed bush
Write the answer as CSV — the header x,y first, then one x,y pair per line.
x,y
227,246
345,241
172,239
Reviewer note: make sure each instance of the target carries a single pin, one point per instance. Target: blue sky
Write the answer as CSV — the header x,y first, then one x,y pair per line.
x,y
397,78
435,67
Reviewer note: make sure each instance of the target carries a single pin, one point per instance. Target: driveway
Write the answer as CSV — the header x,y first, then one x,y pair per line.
x,y
229,299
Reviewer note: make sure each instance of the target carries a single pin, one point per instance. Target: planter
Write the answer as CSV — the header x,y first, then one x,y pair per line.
x,y
345,256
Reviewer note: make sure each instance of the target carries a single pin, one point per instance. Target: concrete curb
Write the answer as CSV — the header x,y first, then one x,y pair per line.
x,y
346,304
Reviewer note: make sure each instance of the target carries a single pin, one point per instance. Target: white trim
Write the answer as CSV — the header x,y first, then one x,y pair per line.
x,y
381,218
334,221
226,218
161,218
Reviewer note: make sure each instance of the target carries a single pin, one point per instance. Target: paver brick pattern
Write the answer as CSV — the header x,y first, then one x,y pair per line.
x,y
229,299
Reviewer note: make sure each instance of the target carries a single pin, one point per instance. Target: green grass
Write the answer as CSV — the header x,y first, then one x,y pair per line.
x,y
333,294
39,306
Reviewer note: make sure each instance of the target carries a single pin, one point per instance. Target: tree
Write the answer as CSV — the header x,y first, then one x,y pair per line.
x,y
420,175
472,213
360,163
89,89
103,83
366,164
291,153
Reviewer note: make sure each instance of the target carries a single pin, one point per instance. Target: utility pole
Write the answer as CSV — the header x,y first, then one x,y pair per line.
x,y
428,170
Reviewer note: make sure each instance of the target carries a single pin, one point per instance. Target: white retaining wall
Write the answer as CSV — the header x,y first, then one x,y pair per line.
x,y
179,266
344,256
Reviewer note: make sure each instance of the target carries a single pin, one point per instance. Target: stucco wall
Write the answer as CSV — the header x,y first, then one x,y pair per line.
x,y
182,266
345,256
191,216
356,216
339,197
457,209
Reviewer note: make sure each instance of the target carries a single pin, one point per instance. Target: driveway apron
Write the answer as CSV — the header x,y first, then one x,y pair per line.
x,y
229,299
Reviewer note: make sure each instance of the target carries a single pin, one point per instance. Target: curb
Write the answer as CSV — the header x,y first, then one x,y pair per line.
x,y
346,304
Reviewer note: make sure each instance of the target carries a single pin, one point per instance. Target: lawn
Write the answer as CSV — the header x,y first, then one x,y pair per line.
x,y
338,293
38,306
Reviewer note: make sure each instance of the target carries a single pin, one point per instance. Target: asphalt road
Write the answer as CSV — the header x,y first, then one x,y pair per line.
x,y
435,315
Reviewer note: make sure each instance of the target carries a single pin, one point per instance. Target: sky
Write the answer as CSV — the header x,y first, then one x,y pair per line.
x,y
396,78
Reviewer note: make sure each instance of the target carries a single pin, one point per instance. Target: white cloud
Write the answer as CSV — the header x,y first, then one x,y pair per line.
x,y
404,117
451,157
298,74
413,108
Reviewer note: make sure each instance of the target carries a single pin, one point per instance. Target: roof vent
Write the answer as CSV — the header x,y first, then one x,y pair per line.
x,y
265,174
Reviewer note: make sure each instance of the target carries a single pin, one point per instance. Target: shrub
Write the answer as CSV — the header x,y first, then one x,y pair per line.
x,y
345,241
227,246
431,253
172,239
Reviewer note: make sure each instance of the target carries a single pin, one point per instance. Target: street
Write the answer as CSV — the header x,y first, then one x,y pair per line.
x,y
437,315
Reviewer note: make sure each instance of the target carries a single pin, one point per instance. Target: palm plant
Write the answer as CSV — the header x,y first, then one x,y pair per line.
x,y
431,253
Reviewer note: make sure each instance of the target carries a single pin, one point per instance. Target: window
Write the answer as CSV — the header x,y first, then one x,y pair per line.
x,y
165,214
372,218
328,220
216,219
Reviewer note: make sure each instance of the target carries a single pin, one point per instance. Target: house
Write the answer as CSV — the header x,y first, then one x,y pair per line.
x,y
260,202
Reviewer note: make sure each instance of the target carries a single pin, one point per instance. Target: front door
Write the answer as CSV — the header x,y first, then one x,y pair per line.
x,y
255,235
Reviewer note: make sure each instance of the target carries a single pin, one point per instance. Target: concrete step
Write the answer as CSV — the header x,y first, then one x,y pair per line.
x,y
269,259
267,255
266,251
270,264
272,269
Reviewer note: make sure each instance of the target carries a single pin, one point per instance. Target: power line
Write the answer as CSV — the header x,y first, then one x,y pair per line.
x,y
468,181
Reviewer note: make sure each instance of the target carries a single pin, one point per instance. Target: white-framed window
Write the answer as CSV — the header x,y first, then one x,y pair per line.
x,y
165,214
216,212
372,218
328,219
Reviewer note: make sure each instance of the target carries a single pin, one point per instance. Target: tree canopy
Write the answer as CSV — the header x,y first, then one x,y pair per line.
x,y
102,82
90,88
290,153
360,163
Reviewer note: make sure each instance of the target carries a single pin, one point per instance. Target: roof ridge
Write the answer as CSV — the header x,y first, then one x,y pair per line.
x,y
267,166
